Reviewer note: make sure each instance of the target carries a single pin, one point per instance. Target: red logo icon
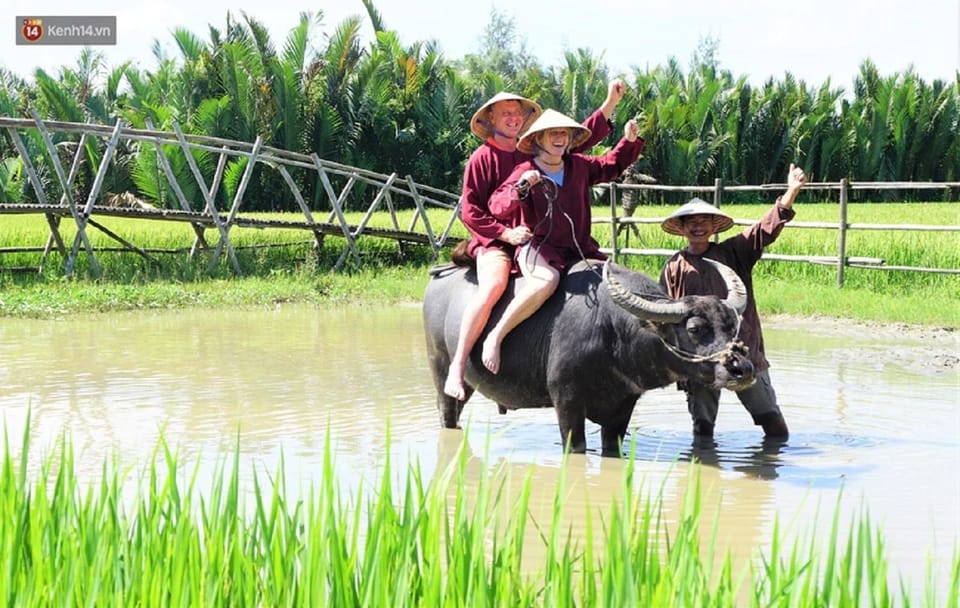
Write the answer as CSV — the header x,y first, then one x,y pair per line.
x,y
32,29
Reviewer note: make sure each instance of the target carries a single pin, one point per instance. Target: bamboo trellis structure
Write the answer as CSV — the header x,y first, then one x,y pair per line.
x,y
57,201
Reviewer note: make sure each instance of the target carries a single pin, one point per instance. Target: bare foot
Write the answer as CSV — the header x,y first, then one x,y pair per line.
x,y
491,355
453,387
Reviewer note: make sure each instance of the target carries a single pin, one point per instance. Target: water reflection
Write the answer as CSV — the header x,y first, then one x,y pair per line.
x,y
754,460
867,428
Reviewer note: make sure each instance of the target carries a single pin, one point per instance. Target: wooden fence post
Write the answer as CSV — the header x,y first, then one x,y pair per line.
x,y
717,188
613,221
842,234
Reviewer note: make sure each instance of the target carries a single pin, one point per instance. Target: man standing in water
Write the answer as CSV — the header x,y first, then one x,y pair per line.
x,y
686,273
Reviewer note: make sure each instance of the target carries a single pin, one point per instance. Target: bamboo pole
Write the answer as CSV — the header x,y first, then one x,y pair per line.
x,y
842,234
613,221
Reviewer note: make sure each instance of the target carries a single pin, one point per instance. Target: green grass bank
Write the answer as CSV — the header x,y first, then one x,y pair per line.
x,y
287,266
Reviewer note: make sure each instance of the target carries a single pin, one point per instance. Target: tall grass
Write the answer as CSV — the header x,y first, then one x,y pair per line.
x,y
405,541
894,247
868,294
284,265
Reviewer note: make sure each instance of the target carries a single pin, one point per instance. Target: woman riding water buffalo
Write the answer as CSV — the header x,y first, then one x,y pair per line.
x,y
499,123
557,212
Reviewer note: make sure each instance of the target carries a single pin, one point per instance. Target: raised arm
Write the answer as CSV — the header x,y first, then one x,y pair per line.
x,y
754,239
610,165
796,178
615,91
599,122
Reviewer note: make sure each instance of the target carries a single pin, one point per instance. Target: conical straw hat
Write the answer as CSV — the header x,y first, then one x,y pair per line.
x,y
480,124
674,223
551,119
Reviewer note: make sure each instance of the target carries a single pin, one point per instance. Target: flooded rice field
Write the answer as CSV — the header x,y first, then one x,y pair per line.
x,y
874,415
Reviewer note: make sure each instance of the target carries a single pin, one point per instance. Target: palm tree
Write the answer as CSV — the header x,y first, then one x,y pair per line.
x,y
583,80
390,106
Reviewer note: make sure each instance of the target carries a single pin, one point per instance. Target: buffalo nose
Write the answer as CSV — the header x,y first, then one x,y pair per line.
x,y
739,367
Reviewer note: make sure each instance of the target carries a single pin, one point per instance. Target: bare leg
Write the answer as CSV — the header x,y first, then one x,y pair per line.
x,y
542,281
493,273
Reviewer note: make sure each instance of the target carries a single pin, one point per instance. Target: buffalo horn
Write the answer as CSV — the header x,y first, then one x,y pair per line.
x,y
659,311
736,292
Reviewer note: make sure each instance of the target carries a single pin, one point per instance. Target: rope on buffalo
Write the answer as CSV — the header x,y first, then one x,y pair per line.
x,y
735,347
618,293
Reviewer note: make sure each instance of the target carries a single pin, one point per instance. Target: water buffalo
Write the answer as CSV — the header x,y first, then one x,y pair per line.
x,y
605,337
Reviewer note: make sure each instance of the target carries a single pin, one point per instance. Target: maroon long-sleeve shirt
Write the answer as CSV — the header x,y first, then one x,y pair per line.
x,y
486,169
562,227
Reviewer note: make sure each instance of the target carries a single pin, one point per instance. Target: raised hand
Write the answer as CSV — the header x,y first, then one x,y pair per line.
x,y
615,91
796,178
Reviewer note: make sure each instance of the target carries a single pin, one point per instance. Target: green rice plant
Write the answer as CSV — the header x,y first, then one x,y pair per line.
x,y
630,565
403,541
843,572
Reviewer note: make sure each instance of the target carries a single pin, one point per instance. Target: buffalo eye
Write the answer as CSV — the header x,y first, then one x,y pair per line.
x,y
698,329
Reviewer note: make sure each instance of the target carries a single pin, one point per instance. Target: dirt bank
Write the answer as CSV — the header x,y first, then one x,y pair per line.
x,y
930,349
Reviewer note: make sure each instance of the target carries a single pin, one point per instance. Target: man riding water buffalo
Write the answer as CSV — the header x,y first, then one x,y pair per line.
x,y
587,343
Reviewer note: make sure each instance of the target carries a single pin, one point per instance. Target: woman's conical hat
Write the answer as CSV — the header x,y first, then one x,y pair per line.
x,y
551,119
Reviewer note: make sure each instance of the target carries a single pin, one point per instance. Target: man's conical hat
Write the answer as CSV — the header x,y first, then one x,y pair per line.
x,y
674,223
480,123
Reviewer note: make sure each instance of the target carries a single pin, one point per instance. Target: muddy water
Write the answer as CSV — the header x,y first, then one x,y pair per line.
x,y
875,419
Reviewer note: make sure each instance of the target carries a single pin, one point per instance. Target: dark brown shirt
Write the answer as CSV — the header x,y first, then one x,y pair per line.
x,y
686,274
